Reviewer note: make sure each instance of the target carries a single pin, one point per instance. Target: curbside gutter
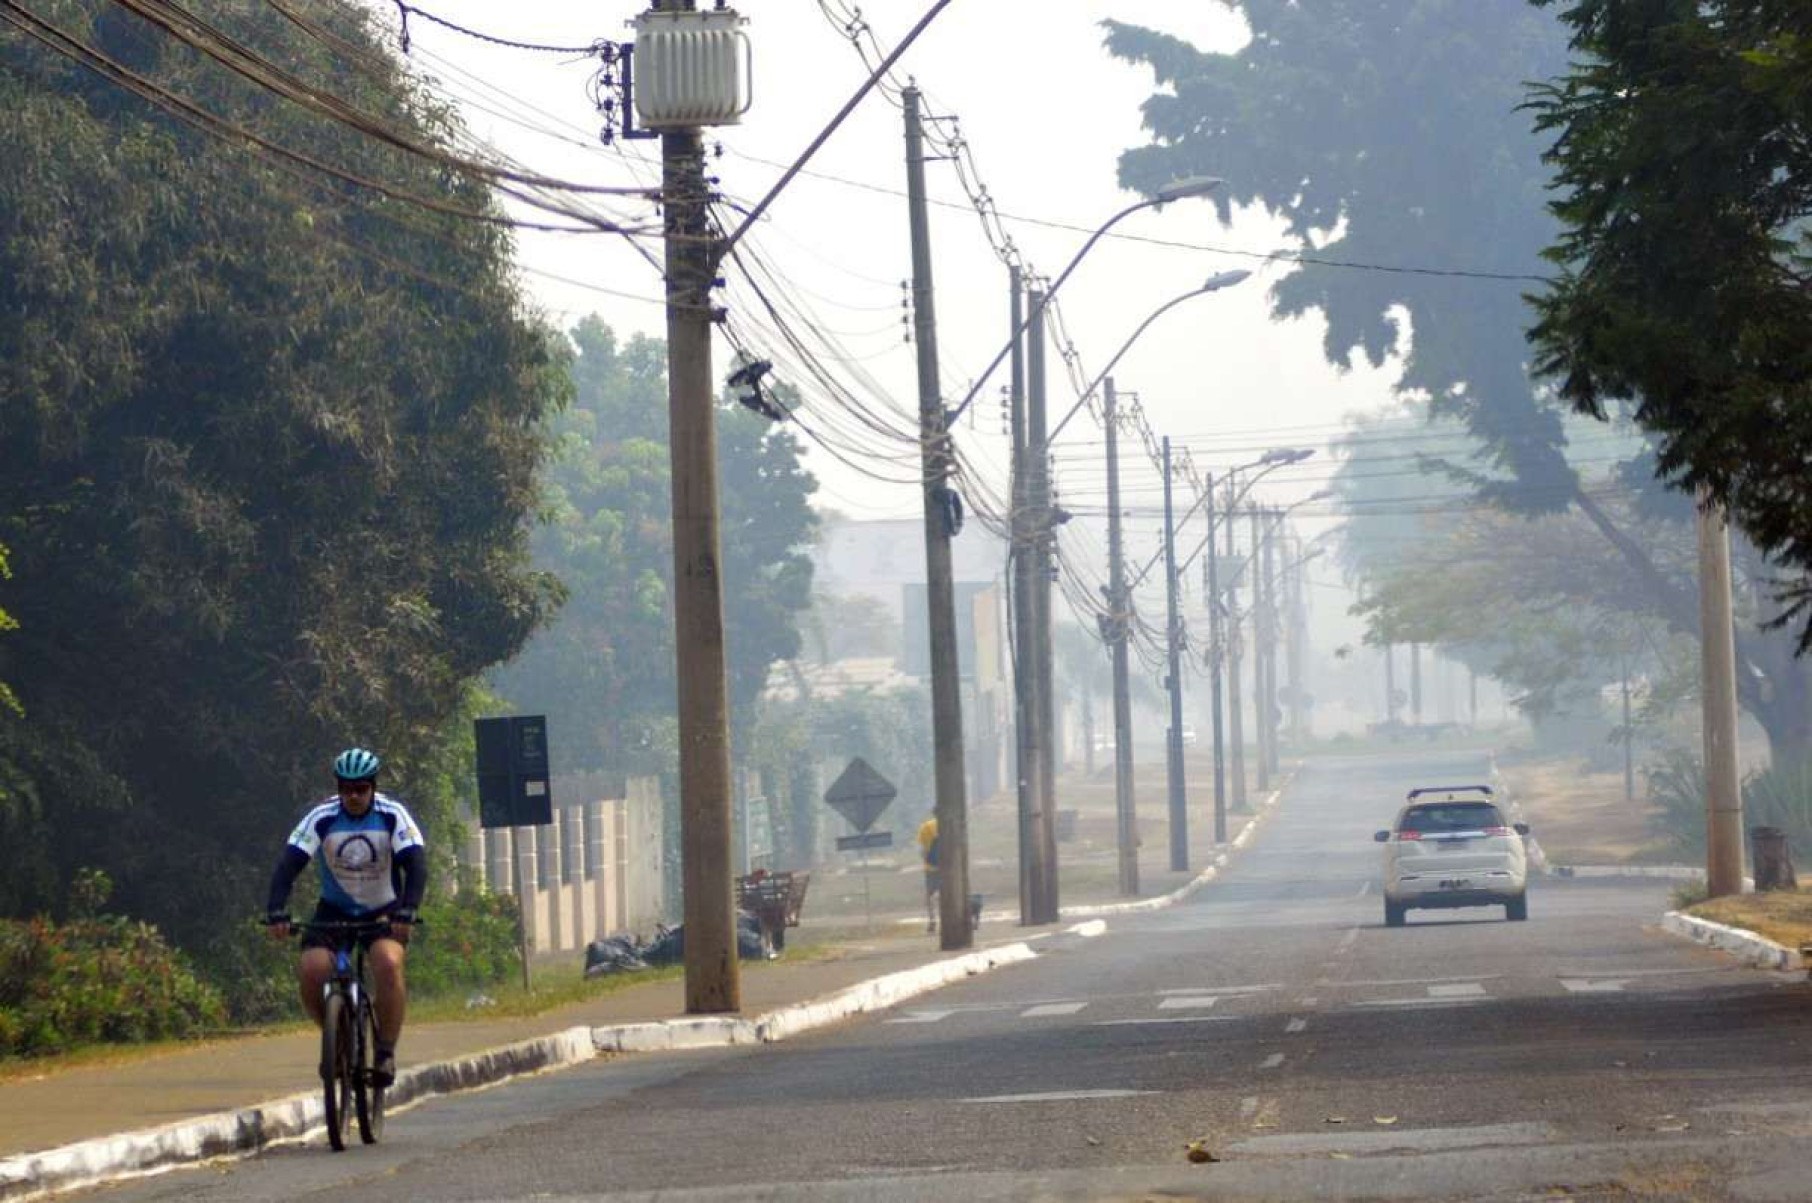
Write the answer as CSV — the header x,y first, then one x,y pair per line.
x,y
1189,889
1757,950
236,1133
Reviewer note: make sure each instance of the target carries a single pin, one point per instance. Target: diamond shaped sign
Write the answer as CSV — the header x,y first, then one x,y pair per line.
x,y
860,794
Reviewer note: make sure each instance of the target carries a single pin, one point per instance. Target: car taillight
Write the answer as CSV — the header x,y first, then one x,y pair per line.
x,y
1409,835
1497,831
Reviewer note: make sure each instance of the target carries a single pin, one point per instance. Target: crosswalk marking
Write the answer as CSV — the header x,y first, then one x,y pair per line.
x,y
1188,1000
1044,1009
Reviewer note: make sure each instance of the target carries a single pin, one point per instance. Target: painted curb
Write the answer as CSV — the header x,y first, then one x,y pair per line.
x,y
89,1162
229,1133
1187,890
1757,950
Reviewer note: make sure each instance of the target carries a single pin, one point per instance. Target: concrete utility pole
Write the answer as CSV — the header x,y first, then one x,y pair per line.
x,y
1045,905
1274,638
1023,564
1217,662
1415,684
1261,649
1236,736
1390,683
1126,818
941,517
1717,643
1179,810
713,975
1295,640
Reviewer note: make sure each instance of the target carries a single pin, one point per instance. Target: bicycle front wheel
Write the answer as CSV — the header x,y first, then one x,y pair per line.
x,y
337,1069
368,1094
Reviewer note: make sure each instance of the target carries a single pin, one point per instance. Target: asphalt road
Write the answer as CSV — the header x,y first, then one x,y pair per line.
x,y
1311,1051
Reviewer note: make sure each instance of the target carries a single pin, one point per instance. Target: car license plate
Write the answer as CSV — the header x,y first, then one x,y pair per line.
x,y
1455,845
1456,883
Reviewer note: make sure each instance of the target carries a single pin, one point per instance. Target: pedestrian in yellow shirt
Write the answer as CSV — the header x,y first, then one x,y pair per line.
x,y
928,853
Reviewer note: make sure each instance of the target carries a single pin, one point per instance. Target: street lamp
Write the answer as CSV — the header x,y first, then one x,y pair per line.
x,y
1182,189
1213,283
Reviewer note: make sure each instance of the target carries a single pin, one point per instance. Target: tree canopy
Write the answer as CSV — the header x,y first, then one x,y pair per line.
x,y
1683,174
268,454
604,670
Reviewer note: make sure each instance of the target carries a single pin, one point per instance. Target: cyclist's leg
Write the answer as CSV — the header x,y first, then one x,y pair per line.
x,y
315,968
391,992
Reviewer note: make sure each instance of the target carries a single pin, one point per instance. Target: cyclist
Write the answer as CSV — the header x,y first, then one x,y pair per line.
x,y
373,866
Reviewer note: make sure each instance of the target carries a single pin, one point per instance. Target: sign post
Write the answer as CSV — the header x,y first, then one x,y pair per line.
x,y
513,792
860,794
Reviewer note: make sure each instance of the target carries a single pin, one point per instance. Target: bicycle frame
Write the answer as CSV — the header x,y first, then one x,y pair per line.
x,y
349,1034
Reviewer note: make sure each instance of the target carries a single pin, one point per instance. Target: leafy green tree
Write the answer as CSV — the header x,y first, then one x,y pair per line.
x,y
268,454
604,671
1684,181
1390,132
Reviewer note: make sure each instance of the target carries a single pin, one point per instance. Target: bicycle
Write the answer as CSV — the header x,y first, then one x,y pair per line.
x,y
349,1035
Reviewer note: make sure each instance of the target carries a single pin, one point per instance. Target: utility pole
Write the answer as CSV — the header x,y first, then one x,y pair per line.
x,y
1415,684
1296,640
1261,649
1046,908
1179,811
1390,683
713,981
1274,636
1025,678
1717,644
1217,662
1236,736
1126,820
941,518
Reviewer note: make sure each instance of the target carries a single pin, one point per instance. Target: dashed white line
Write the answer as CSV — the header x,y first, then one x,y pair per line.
x,y
1047,1009
1587,986
1296,1025
1127,1023
923,1017
1188,1000
1457,990
1272,1062
1057,1096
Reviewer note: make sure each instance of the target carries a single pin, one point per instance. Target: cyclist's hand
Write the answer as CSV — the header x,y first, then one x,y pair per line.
x,y
402,926
278,926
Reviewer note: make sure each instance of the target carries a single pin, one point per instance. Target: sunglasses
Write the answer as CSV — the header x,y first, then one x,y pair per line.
x,y
357,787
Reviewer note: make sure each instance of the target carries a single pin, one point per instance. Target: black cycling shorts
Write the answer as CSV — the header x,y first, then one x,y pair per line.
x,y
333,914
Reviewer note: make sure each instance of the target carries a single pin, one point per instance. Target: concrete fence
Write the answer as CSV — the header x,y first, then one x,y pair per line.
x,y
593,871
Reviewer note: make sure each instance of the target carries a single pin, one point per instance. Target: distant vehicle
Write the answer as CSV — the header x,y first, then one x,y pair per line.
x,y
1450,847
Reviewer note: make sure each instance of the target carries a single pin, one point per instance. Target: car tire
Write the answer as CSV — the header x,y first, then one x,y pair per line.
x,y
1394,913
1517,909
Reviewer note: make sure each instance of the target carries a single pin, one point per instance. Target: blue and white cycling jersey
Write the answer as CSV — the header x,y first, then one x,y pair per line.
x,y
358,857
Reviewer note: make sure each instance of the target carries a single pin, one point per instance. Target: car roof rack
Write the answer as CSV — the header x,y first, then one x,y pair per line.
x,y
1447,789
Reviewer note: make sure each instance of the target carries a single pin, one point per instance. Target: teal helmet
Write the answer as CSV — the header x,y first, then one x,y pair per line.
x,y
356,764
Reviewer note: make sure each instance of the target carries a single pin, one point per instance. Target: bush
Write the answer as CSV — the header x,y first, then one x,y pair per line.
x,y
101,980
1676,787
468,941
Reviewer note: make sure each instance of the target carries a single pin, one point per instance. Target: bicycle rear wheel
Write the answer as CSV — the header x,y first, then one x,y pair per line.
x,y
337,1068
367,1093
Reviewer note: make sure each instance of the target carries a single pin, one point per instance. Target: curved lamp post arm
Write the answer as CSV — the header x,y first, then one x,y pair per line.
x,y
1212,284
1179,190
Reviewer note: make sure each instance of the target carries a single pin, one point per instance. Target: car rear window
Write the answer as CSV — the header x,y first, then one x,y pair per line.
x,y
1451,816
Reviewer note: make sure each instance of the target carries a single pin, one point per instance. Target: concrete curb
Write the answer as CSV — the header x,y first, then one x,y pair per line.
x,y
230,1133
1757,950
1189,889
1669,872
226,1133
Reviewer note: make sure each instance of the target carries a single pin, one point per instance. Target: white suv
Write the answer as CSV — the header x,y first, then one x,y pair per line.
x,y
1451,847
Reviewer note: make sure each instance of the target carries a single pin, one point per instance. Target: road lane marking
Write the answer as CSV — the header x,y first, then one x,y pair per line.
x,y
1044,1009
1364,889
1613,985
1057,1096
1459,990
1308,1001
1188,1000
1127,1023
1222,989
1415,981
1296,1025
923,1017
1272,1062
1418,1002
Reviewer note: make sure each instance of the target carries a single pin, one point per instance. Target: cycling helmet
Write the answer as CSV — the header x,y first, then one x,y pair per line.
x,y
356,764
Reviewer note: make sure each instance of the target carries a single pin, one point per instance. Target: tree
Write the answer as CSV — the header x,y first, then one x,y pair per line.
x,y
267,455
1389,132
604,671
1683,175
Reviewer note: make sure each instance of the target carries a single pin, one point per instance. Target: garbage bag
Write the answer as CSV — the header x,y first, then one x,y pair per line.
x,y
669,944
612,954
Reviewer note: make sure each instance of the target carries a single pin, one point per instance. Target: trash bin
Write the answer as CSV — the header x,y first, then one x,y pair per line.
x,y
1772,859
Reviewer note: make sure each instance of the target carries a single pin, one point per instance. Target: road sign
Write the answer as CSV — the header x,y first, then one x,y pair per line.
x,y
513,771
868,839
860,794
